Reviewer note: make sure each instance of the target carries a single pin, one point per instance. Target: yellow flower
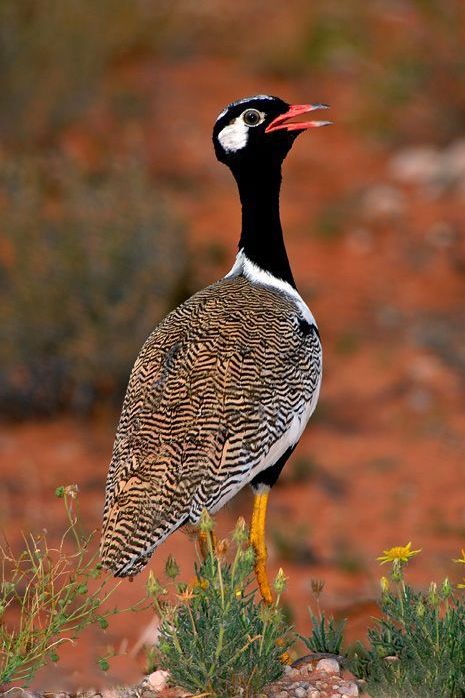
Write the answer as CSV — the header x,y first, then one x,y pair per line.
x,y
398,554
461,560
461,586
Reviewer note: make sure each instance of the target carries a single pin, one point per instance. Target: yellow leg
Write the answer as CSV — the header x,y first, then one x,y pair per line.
x,y
257,540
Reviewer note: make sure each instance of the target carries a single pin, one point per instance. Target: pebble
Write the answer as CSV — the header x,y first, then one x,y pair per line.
x,y
282,694
300,692
349,689
329,666
312,693
158,680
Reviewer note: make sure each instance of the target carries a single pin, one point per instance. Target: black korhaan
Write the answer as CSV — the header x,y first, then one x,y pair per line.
x,y
222,389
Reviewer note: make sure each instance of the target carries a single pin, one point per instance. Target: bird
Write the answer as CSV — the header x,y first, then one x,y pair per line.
x,y
224,386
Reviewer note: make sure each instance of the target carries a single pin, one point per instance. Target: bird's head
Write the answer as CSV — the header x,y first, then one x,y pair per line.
x,y
260,128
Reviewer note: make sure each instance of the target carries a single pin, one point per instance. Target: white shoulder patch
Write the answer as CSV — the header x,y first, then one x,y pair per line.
x,y
234,136
243,265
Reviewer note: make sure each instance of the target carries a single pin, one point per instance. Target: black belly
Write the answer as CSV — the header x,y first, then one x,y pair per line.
x,y
269,476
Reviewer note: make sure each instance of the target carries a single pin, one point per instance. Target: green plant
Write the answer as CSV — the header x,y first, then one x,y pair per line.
x,y
327,633
417,647
89,262
217,639
48,595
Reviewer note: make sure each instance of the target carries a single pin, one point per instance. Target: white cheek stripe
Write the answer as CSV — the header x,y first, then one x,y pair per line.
x,y
252,272
234,136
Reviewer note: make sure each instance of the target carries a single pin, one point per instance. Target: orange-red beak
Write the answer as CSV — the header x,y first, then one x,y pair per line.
x,y
283,121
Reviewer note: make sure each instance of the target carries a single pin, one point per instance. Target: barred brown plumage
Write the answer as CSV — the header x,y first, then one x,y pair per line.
x,y
216,385
224,386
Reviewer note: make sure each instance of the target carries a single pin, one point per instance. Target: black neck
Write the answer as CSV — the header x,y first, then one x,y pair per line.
x,y
262,235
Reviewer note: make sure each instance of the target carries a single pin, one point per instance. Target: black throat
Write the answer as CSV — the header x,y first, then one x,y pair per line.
x,y
262,236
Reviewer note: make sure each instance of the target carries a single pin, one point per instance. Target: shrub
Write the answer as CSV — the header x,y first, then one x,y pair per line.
x,y
217,639
48,595
417,647
54,58
89,262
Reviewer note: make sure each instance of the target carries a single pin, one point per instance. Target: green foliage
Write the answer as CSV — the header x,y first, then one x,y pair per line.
x,y
89,262
217,639
327,634
48,595
416,648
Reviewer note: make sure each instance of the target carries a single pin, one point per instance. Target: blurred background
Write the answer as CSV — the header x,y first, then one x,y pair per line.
x,y
113,210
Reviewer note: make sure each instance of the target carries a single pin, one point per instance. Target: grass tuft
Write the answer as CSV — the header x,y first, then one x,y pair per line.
x,y
49,595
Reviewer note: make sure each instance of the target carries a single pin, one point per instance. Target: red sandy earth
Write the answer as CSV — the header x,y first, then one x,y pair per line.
x,y
390,431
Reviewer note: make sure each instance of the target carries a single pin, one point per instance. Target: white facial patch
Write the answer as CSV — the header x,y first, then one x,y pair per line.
x,y
234,136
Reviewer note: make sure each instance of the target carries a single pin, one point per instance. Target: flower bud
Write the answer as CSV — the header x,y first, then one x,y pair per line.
x,y
433,596
317,586
420,609
446,589
280,580
153,586
240,534
206,522
171,567
384,584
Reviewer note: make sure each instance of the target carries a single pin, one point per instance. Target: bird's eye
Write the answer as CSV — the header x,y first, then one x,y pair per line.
x,y
252,117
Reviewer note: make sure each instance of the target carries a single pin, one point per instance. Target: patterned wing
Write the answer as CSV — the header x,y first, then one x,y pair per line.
x,y
218,392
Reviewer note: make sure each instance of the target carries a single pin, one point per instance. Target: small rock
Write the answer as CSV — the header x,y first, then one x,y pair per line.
x,y
328,665
293,672
312,693
282,694
300,692
158,679
349,689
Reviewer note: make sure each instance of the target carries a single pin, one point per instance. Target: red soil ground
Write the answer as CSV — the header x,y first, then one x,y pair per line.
x,y
382,462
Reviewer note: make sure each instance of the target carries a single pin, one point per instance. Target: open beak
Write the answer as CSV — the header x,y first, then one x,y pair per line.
x,y
283,121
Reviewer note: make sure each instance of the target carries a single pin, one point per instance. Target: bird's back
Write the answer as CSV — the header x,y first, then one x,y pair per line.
x,y
218,392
